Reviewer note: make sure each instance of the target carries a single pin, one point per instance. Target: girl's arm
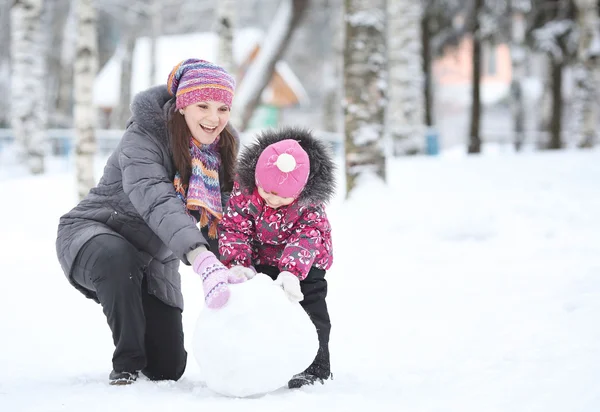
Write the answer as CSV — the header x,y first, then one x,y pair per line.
x,y
236,230
306,241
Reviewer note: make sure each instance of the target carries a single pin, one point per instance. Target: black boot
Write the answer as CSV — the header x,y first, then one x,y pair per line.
x,y
122,378
304,379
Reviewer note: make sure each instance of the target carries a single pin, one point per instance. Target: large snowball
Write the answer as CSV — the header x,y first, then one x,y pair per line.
x,y
255,343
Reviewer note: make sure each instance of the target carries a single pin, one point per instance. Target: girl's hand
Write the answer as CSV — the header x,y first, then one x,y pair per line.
x,y
240,274
290,285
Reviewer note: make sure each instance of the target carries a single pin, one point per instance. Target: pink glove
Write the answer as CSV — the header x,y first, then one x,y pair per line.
x,y
214,279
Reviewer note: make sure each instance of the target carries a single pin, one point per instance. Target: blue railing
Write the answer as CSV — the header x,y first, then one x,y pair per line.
x,y
60,142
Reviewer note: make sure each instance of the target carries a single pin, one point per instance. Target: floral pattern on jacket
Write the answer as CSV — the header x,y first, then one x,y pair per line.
x,y
292,238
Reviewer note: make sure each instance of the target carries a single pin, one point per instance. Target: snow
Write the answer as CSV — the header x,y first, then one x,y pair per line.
x,y
267,340
546,37
465,284
370,17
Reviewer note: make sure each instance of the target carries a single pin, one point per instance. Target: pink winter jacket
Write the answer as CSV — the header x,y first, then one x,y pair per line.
x,y
292,238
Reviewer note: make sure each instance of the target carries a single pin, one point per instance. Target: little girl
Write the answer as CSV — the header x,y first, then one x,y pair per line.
x,y
275,223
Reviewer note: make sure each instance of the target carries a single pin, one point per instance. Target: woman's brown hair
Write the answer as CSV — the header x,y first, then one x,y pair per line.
x,y
180,146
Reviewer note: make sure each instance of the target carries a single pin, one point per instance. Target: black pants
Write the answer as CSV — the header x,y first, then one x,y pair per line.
x,y
314,289
147,333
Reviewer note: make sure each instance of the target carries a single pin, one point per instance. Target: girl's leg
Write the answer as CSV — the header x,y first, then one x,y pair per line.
x,y
314,289
165,353
108,265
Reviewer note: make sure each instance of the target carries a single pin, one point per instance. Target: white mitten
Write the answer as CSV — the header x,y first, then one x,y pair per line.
x,y
290,285
239,274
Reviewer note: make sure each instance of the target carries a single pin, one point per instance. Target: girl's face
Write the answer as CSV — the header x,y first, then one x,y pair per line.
x,y
206,120
275,201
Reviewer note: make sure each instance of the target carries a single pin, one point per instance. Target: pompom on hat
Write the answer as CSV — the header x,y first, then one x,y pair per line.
x,y
283,169
195,80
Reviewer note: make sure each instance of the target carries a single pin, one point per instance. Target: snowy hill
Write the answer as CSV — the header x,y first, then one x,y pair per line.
x,y
465,284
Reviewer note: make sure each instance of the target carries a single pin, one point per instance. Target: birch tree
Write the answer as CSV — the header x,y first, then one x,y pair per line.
x,y
404,117
552,34
474,131
133,19
224,28
332,73
259,73
29,109
64,99
438,33
587,72
518,53
121,113
56,19
365,81
86,67
155,32
5,66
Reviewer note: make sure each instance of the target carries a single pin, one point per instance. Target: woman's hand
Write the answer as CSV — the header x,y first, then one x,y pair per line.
x,y
215,279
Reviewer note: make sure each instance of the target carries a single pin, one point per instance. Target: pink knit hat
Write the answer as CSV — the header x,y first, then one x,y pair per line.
x,y
283,169
195,80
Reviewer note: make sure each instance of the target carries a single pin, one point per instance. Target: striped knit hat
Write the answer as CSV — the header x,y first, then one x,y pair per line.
x,y
195,80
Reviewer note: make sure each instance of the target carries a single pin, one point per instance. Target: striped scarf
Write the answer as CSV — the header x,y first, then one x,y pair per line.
x,y
203,192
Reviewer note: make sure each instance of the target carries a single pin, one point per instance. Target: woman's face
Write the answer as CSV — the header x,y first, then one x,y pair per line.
x,y
206,120
273,200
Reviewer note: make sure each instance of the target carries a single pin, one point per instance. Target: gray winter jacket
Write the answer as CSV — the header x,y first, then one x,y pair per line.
x,y
135,199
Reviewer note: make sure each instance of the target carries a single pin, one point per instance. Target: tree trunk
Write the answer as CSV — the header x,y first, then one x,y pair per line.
x,y
225,24
86,67
474,137
427,83
29,110
156,17
545,105
109,26
365,80
518,55
587,73
404,117
5,64
57,16
64,99
260,72
556,120
121,113
332,73
331,100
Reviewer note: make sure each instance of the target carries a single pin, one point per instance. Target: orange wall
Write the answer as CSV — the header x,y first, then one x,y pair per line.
x,y
455,67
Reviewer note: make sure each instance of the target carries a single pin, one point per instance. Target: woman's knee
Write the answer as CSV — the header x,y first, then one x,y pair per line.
x,y
108,257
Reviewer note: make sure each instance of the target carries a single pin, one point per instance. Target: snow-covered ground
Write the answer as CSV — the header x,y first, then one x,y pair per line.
x,y
465,284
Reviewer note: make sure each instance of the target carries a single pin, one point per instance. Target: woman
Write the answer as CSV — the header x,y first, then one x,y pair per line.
x,y
121,245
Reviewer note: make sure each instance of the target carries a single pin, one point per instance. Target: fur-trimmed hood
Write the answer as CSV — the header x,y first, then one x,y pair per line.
x,y
320,187
151,108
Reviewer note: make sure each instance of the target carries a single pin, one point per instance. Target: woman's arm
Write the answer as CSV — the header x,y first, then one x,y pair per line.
x,y
150,190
